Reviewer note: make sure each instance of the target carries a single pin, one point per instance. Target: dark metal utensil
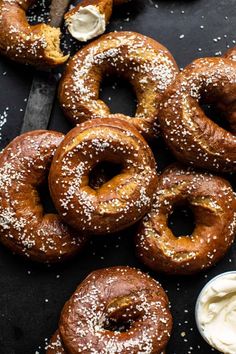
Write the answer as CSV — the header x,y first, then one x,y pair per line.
x,y
44,85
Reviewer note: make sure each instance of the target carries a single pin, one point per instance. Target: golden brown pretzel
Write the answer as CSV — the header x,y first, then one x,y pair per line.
x,y
190,134
214,205
116,310
144,62
24,226
36,45
121,201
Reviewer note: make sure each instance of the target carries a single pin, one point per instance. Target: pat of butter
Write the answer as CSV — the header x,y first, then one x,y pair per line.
x,y
216,313
87,23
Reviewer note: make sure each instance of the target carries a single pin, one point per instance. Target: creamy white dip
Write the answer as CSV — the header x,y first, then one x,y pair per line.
x,y
216,313
87,23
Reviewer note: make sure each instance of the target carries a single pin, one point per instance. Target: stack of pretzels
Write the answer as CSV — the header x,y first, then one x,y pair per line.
x,y
169,103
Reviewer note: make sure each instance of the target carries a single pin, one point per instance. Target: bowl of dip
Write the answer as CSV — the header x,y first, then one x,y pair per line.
x,y
215,312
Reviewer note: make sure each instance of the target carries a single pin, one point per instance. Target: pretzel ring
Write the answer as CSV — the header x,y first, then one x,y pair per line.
x,y
148,66
119,202
190,134
214,205
24,227
115,310
36,45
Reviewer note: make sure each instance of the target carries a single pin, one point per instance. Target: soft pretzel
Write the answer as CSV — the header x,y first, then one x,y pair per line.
x,y
119,202
36,45
24,226
89,18
190,134
214,205
148,66
114,310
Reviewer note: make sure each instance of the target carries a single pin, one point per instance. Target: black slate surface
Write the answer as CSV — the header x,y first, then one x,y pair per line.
x,y
32,295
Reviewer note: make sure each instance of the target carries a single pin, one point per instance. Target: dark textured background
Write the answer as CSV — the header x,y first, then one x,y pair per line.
x,y
31,295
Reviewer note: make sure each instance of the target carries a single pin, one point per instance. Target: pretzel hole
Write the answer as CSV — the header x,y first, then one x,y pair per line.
x,y
122,313
118,325
103,172
216,116
45,199
182,220
119,95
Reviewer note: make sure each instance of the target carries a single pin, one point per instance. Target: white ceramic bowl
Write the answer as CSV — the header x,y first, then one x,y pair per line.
x,y
200,297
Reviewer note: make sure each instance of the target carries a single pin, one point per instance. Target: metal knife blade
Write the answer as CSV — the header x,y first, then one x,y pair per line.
x,y
44,84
